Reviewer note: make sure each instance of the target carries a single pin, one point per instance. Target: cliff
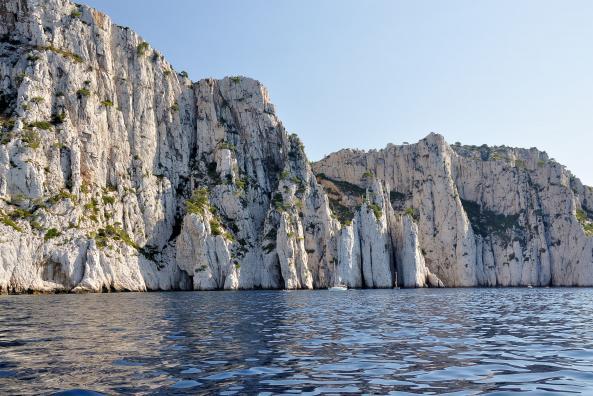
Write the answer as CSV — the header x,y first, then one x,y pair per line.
x,y
118,173
481,216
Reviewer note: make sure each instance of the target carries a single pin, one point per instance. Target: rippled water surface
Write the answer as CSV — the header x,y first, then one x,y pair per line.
x,y
361,341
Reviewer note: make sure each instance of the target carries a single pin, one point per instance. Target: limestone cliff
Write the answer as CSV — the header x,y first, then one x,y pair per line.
x,y
118,173
472,216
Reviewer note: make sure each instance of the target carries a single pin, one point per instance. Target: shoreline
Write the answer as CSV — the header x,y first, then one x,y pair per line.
x,y
57,292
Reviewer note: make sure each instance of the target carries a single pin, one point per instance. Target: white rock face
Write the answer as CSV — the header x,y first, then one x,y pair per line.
x,y
377,264
117,173
349,257
204,255
412,266
102,145
484,216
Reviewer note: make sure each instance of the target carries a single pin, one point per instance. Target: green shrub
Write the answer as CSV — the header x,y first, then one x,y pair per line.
x,y
58,118
85,188
343,213
66,54
92,206
37,99
63,194
112,232
142,48
31,139
7,122
83,92
198,203
175,107
278,202
376,210
107,103
51,233
108,200
229,237
45,125
367,175
20,214
75,13
184,74
240,183
581,215
215,227
413,213
235,79
587,224
7,221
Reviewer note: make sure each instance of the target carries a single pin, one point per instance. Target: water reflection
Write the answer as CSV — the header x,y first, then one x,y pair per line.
x,y
372,341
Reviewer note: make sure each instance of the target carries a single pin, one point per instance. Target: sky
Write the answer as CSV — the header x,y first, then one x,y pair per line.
x,y
361,74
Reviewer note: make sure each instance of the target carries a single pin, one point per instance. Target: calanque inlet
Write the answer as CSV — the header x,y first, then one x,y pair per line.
x,y
118,173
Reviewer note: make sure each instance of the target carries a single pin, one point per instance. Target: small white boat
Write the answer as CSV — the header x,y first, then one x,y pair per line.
x,y
338,288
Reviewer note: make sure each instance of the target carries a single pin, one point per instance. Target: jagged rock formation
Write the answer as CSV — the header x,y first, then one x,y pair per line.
x,y
117,173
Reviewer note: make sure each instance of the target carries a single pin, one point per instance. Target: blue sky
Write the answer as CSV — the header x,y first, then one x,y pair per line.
x,y
362,74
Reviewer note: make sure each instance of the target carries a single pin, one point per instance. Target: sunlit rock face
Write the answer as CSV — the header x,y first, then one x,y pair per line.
x,y
473,216
118,173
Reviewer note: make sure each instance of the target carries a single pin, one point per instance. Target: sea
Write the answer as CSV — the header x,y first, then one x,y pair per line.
x,y
400,341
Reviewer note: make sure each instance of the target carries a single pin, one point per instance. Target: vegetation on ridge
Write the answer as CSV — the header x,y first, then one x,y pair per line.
x,y
142,48
587,223
66,54
486,222
376,210
344,197
198,203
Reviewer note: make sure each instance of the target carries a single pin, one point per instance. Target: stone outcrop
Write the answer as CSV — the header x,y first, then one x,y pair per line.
x,y
118,173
